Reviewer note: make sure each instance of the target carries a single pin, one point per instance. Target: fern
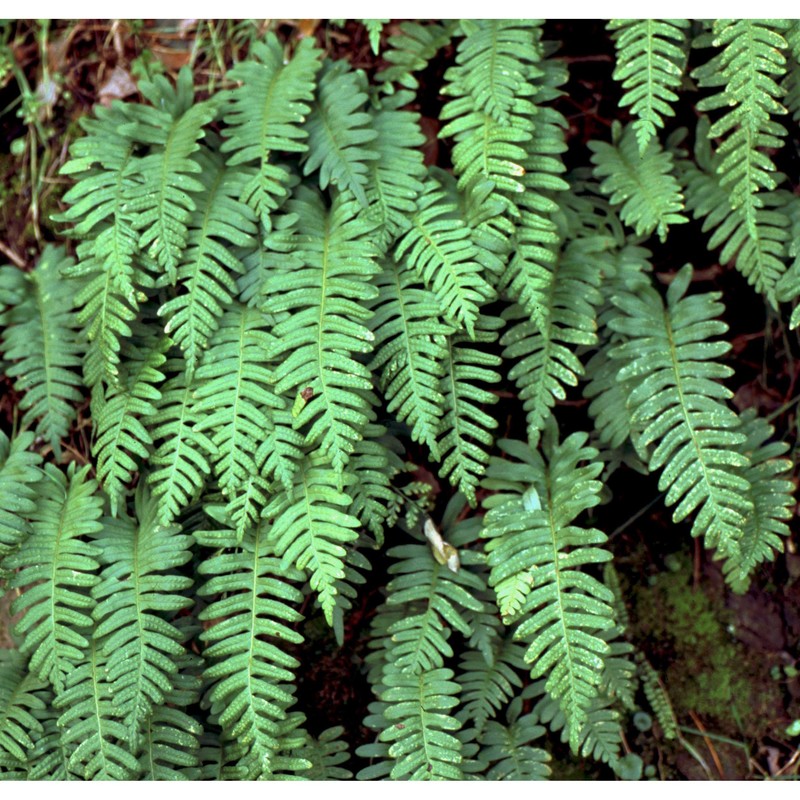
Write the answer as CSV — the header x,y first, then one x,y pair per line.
x,y
53,565
41,335
650,61
534,566
639,181
264,115
679,405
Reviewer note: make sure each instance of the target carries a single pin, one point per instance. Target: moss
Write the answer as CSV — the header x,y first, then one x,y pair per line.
x,y
688,635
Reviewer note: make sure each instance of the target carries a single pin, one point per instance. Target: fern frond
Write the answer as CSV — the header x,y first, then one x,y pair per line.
x,y
507,748
235,398
160,198
264,115
678,403
639,182
465,434
311,528
396,176
252,609
318,343
180,460
119,412
42,338
340,132
137,585
439,249
771,493
535,550
95,739
747,69
410,352
220,223
547,363
651,57
55,565
19,727
410,50
326,753
19,473
755,239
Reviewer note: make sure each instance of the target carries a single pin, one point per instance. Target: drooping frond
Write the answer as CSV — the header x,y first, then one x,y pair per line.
x,y
547,361
264,115
771,493
206,284
180,461
340,132
651,57
251,610
160,198
535,553
234,401
755,240
41,336
318,343
640,182
138,584
410,352
19,473
466,430
747,69
54,564
508,748
19,728
326,753
396,175
438,247
119,413
410,50
312,526
95,739
679,405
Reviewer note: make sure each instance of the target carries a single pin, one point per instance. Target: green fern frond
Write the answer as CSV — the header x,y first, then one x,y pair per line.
x,y
311,528
19,727
327,753
658,698
318,343
508,748
678,404
535,550
374,30
410,352
19,474
220,223
466,430
651,57
747,69
95,739
755,239
119,414
250,674
234,400
41,336
54,565
340,132
137,585
640,182
420,729
264,115
771,493
411,49
439,249
49,757
547,362
180,460
396,176
160,198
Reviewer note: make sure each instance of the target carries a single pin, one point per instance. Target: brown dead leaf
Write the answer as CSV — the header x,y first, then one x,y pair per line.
x,y
119,85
